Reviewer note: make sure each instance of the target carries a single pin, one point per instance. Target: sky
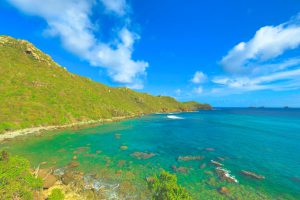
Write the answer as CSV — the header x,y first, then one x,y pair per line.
x,y
227,53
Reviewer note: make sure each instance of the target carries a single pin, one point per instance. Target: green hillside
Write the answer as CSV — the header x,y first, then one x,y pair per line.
x,y
36,91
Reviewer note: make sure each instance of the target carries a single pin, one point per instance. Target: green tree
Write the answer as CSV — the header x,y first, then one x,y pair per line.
x,y
16,179
165,187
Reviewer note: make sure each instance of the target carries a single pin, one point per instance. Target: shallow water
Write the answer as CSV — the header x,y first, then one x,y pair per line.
x,y
264,141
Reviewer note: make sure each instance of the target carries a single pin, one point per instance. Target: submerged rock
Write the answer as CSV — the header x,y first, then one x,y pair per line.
x,y
221,158
121,163
180,169
215,163
189,158
48,179
73,164
209,149
252,175
202,166
142,155
223,190
123,147
67,178
225,175
118,136
98,151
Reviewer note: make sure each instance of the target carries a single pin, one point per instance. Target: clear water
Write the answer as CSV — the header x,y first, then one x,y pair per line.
x,y
264,141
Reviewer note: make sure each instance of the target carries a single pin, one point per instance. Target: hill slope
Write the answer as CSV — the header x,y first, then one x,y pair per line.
x,y
35,91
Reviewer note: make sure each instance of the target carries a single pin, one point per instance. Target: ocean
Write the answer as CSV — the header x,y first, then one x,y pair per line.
x,y
264,141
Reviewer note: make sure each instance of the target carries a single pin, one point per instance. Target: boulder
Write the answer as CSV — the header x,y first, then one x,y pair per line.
x,y
189,158
123,147
73,164
67,178
215,163
142,155
223,190
252,175
48,179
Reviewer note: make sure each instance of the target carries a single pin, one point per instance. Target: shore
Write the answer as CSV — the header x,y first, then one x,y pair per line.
x,y
27,131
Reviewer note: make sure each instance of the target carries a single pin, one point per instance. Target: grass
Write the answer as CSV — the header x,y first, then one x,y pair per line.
x,y
36,91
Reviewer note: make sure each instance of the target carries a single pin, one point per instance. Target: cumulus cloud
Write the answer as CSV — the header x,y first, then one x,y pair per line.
x,y
117,6
70,21
198,90
268,42
262,63
199,77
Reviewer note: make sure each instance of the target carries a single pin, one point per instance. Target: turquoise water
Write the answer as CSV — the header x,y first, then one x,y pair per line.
x,y
264,141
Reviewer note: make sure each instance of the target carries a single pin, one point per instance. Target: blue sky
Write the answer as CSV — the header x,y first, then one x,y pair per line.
x,y
227,53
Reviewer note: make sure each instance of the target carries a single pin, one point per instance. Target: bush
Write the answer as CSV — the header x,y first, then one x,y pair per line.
x,y
16,179
165,187
56,194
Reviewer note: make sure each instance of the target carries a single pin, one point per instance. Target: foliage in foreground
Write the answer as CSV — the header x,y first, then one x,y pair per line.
x,y
56,194
16,179
165,187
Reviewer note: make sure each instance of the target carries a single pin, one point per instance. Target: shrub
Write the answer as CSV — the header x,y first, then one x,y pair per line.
x,y
16,179
165,187
56,194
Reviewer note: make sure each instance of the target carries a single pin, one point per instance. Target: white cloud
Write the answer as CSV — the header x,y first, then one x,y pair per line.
x,y
199,77
178,92
262,62
117,6
198,90
269,42
285,80
70,20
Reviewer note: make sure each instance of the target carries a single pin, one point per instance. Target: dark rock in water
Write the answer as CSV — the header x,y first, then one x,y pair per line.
x,y
117,136
180,169
295,179
123,147
67,178
209,149
89,155
189,158
142,155
48,179
208,172
81,150
224,175
202,166
98,152
121,163
223,190
44,163
220,158
73,164
215,163
252,175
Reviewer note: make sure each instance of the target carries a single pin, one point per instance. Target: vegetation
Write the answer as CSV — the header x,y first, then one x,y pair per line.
x,y
56,194
16,179
36,91
165,187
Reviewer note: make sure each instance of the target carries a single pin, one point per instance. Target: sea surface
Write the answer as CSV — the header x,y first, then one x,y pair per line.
x,y
265,141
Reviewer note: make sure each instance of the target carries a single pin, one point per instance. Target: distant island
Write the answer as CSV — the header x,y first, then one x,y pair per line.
x,y
36,91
